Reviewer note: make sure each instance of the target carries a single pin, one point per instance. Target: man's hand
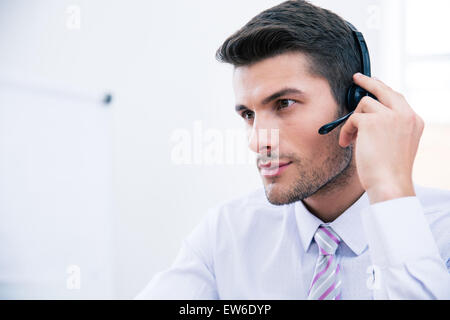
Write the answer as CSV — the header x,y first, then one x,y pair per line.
x,y
386,135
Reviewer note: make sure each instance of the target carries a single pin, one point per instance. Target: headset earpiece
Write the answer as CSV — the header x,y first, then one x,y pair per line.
x,y
354,95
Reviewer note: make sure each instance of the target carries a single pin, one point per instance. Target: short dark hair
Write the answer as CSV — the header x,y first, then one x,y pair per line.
x,y
300,26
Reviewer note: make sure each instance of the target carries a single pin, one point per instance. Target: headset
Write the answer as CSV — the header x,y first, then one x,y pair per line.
x,y
355,93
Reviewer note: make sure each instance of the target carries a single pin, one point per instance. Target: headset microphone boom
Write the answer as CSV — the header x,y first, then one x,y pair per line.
x,y
354,93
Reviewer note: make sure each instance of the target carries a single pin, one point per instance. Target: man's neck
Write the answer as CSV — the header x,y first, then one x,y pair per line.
x,y
331,201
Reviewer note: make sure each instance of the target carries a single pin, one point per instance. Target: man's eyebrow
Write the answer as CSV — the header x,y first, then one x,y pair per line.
x,y
273,96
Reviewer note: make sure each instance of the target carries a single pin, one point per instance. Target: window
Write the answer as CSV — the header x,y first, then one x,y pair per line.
x,y
427,58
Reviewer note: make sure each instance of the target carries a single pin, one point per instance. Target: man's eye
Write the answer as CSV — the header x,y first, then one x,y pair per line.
x,y
247,115
284,103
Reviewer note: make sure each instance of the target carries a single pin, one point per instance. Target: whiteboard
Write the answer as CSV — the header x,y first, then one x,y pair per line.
x,y
56,199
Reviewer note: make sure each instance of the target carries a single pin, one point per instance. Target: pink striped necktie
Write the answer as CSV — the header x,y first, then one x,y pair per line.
x,y
326,283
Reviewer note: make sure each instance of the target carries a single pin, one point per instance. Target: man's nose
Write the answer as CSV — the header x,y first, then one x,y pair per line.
x,y
263,136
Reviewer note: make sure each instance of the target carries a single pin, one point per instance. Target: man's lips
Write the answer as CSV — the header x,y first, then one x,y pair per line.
x,y
270,169
272,164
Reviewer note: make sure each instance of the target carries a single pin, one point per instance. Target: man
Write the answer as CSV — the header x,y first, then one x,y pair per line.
x,y
339,216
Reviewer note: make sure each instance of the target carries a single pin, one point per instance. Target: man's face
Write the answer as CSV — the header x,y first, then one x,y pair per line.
x,y
298,161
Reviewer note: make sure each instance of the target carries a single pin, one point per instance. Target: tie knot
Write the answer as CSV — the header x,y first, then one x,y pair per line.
x,y
327,240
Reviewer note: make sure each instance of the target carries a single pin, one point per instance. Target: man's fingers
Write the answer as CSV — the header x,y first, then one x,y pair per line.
x,y
350,129
370,105
367,108
383,93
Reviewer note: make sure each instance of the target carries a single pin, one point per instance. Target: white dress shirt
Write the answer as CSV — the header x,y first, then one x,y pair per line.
x,y
248,248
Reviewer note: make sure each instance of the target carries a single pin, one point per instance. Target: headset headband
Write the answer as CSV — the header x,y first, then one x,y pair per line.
x,y
364,52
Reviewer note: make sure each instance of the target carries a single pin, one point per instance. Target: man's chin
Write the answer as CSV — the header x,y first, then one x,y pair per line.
x,y
277,194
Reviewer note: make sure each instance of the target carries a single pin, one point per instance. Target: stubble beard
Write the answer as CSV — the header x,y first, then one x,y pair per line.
x,y
311,177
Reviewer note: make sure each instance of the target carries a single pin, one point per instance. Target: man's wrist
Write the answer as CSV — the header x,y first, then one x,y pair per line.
x,y
390,191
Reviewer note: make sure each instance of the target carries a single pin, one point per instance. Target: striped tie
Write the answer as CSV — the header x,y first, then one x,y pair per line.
x,y
326,284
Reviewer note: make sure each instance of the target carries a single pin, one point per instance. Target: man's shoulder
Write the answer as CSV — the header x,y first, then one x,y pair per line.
x,y
247,207
433,199
436,206
254,198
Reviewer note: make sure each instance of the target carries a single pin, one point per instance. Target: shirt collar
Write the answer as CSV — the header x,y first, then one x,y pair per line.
x,y
348,225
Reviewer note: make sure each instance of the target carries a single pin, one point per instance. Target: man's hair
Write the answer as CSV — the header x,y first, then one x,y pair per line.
x,y
298,26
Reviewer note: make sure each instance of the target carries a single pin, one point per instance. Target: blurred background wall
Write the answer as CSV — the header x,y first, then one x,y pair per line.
x,y
92,202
